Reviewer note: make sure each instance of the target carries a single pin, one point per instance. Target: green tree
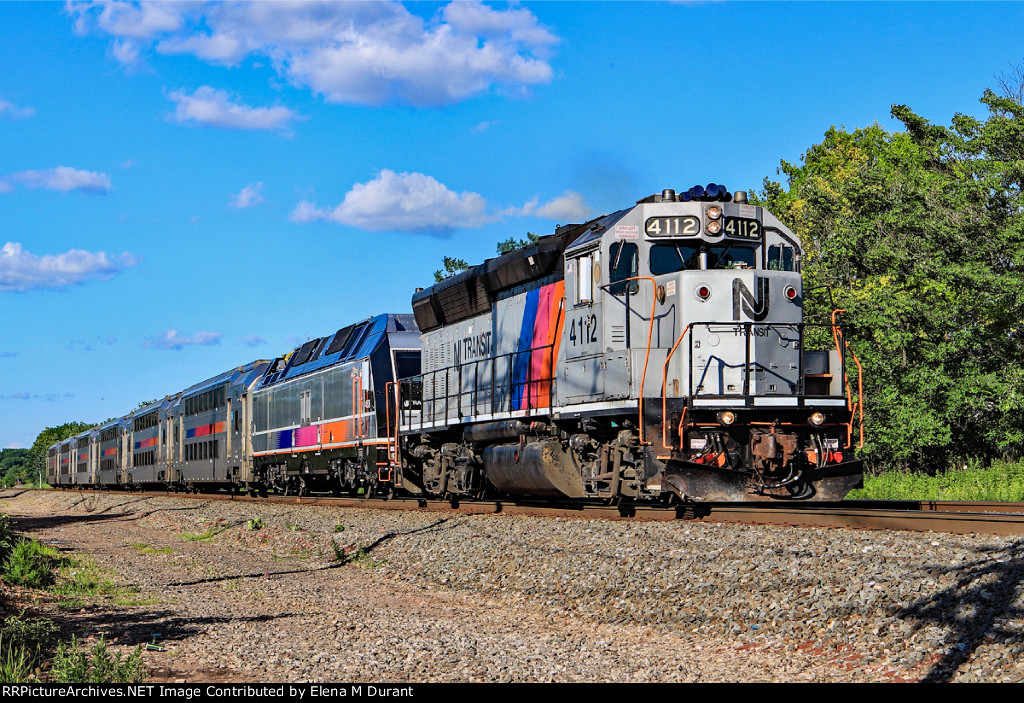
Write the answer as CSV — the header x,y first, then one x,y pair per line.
x,y
16,465
511,244
451,267
454,266
918,236
50,436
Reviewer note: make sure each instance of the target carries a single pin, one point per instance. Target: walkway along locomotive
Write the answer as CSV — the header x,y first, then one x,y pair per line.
x,y
654,353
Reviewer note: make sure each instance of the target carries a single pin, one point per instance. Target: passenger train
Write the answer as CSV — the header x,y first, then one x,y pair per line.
x,y
657,353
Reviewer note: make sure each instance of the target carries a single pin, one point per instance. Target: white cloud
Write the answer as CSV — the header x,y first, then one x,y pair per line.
x,y
568,207
6,187
172,340
250,196
308,212
137,20
214,107
10,111
22,271
64,179
484,126
363,53
252,340
401,202
127,52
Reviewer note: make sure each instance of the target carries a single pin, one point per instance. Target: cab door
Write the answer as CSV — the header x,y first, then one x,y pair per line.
x,y
581,380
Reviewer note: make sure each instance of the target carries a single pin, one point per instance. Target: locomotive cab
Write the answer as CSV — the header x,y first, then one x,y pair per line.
x,y
693,307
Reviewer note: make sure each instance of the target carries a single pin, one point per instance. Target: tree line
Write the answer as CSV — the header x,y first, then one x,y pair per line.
x,y
919,236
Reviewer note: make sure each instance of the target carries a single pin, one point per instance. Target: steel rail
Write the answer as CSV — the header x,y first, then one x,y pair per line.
x,y
915,516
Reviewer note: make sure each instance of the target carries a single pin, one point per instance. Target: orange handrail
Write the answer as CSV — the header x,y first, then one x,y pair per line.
x,y
647,354
392,448
858,409
664,385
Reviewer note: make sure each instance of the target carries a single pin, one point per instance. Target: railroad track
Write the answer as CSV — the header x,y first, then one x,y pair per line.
x,y
924,516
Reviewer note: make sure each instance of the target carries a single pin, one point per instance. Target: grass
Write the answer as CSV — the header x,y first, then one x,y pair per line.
x,y
27,643
1001,481
363,560
81,579
16,664
203,536
144,548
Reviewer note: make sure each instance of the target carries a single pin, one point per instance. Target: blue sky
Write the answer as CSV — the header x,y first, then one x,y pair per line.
x,y
187,187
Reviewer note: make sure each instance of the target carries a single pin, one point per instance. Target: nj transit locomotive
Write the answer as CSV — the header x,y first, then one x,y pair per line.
x,y
651,354
654,352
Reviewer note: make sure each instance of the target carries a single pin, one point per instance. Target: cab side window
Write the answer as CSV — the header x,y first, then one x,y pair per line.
x,y
623,264
780,258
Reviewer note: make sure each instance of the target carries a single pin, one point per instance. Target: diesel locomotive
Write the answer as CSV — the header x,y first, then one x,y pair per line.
x,y
657,353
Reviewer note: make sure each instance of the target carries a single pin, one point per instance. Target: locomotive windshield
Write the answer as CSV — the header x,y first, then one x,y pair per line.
x,y
728,256
670,258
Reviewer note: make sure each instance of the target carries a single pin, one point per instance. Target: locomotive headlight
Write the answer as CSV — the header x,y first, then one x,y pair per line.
x,y
816,419
713,212
713,227
703,292
726,417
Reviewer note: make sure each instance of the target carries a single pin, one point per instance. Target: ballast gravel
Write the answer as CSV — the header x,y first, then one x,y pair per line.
x,y
238,591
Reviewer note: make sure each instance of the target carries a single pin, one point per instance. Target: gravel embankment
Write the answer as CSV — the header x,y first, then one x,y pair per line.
x,y
446,597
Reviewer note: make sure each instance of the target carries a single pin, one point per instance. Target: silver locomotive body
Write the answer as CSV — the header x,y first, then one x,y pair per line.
x,y
658,350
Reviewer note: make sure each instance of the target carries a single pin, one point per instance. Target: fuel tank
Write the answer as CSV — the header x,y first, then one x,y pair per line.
x,y
537,468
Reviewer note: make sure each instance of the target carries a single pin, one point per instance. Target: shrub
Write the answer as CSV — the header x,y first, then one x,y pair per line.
x,y
31,564
71,664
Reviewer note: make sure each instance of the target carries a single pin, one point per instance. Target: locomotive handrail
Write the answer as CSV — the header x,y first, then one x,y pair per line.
x,y
650,335
858,410
509,358
664,384
800,328
392,446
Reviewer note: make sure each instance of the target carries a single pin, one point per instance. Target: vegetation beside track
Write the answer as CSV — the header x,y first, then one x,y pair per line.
x,y
31,648
971,481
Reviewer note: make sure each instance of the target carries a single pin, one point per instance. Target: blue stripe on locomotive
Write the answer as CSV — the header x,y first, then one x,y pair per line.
x,y
283,439
521,366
